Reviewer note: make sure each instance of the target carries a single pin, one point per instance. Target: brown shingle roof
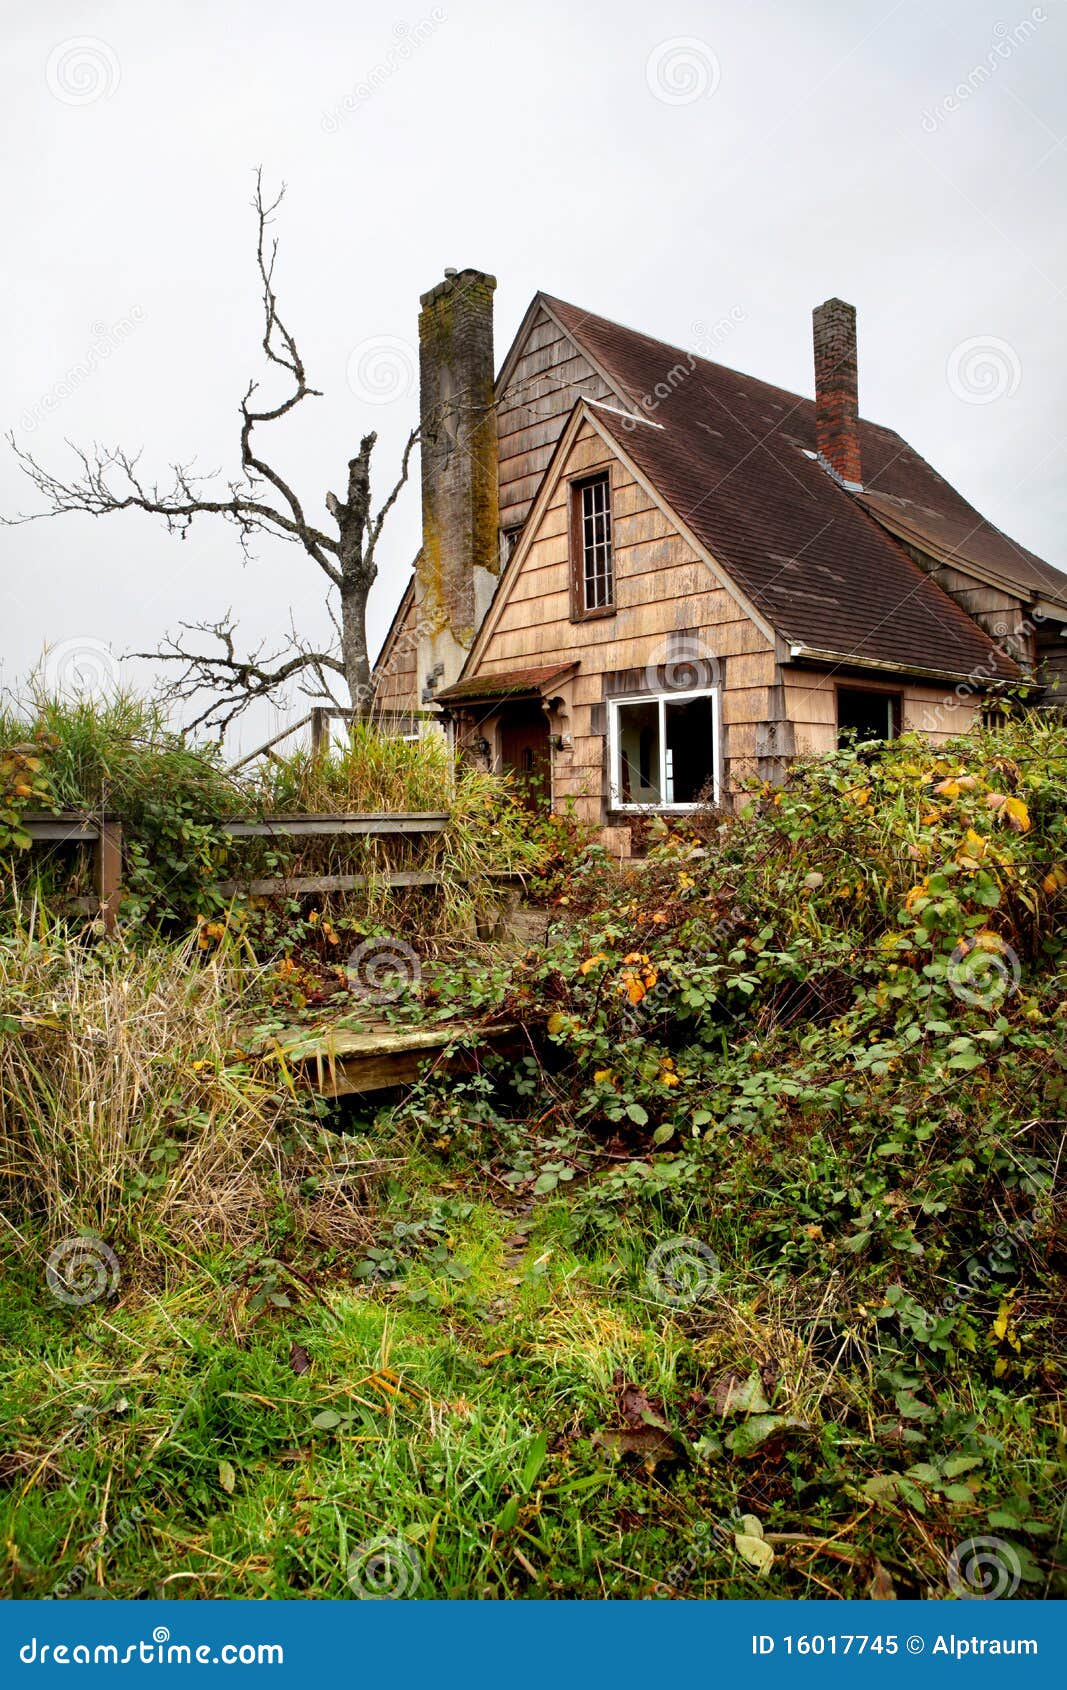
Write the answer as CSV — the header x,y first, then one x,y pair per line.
x,y
733,457
511,683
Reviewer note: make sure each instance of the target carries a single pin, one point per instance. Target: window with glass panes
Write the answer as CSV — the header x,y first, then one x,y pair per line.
x,y
595,573
664,751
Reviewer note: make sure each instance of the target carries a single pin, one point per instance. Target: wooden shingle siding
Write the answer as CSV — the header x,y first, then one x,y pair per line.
x,y
662,589
548,377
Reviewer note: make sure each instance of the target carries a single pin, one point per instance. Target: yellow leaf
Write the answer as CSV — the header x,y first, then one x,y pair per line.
x,y
604,1077
1000,1325
557,1022
591,962
635,991
1011,810
862,795
668,1079
1055,879
974,845
947,788
915,894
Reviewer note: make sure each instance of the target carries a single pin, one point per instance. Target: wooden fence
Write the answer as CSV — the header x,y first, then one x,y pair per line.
x,y
104,832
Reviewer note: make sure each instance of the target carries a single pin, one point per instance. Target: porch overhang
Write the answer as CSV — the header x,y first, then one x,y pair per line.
x,y
507,687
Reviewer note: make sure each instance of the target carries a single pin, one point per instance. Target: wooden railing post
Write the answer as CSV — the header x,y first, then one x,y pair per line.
x,y
109,870
320,731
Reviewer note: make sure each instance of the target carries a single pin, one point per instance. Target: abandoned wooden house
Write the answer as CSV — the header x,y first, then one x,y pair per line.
x,y
645,577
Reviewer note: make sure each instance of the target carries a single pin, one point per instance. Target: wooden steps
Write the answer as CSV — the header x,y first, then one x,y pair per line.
x,y
341,1062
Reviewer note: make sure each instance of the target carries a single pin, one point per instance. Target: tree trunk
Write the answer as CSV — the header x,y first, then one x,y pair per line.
x,y
354,649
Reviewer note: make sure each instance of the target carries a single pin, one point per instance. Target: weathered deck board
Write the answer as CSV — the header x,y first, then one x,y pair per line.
x,y
316,825
340,1062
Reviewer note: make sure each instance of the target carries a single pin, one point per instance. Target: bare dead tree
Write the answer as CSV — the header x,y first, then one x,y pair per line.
x,y
259,501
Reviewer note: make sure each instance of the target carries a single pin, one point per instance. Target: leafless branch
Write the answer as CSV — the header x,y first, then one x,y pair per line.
x,y
261,501
235,681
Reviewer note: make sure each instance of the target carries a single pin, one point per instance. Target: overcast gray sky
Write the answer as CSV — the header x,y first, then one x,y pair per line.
x,y
670,165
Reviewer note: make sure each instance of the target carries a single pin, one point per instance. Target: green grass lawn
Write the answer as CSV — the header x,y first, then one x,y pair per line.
x,y
524,1418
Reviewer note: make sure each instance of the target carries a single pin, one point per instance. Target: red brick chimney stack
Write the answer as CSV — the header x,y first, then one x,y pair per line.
x,y
837,390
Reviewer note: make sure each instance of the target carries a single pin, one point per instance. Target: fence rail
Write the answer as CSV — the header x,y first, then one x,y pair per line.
x,y
104,832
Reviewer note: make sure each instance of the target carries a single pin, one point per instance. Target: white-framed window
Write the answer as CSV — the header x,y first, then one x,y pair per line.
x,y
663,750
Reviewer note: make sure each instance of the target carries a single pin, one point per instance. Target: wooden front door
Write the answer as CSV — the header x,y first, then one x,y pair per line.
x,y
524,753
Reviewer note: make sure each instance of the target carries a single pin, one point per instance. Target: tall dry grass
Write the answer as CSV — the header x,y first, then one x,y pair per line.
x,y
127,1109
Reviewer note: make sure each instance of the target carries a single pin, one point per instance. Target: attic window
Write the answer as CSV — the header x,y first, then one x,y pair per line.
x,y
592,562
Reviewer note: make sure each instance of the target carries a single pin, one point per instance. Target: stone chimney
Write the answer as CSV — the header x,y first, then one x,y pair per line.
x,y
837,390
460,558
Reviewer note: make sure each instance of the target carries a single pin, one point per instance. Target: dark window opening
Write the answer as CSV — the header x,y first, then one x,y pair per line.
x,y
867,716
690,749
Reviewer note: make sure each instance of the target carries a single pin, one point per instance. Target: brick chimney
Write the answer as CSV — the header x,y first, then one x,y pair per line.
x,y
460,558
837,390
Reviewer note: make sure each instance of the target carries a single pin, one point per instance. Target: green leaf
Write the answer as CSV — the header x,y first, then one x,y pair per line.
x,y
637,1114
327,1420
227,1477
508,1516
535,1460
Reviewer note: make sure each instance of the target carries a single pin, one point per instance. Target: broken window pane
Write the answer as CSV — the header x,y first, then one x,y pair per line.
x,y
690,750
